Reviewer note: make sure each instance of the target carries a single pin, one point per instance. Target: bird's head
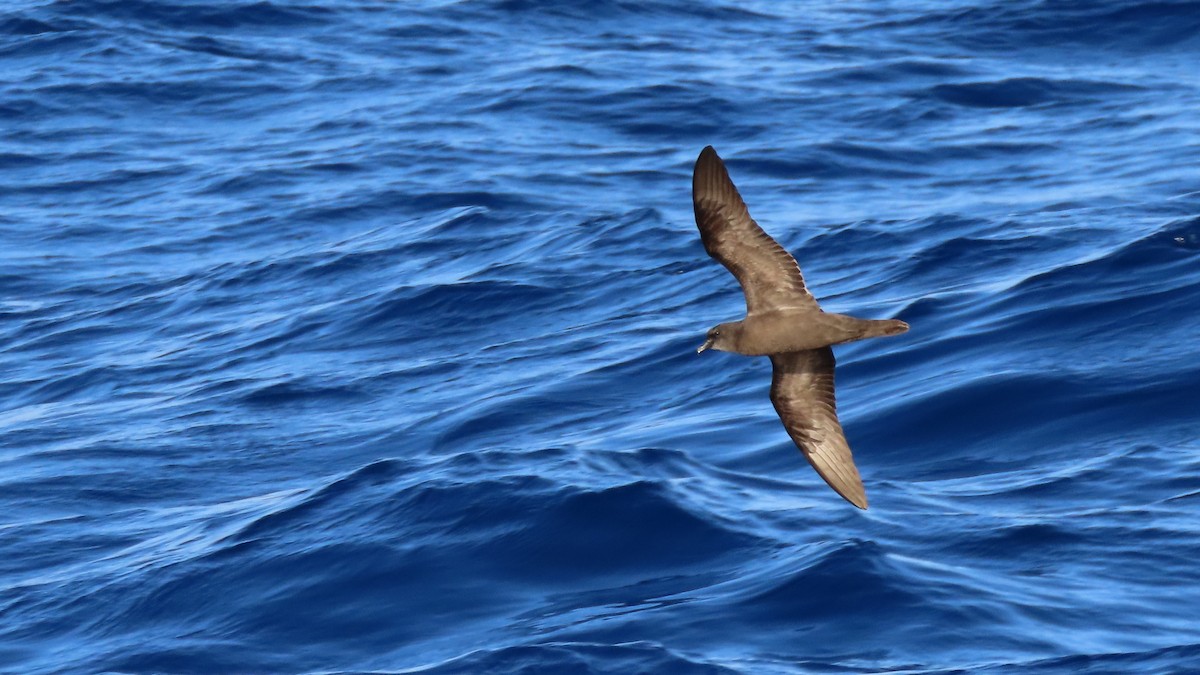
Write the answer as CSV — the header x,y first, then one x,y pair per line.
x,y
720,338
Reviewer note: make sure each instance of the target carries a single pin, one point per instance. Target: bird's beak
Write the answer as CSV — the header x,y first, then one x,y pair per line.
x,y
706,345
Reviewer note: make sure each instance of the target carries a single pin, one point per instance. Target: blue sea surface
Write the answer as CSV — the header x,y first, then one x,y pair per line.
x,y
360,336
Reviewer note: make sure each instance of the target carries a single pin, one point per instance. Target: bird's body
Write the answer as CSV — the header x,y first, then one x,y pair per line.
x,y
783,321
779,332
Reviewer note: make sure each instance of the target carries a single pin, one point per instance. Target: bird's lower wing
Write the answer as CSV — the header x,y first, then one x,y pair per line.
x,y
802,391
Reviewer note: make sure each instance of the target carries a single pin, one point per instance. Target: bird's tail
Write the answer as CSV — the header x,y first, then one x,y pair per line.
x,y
885,327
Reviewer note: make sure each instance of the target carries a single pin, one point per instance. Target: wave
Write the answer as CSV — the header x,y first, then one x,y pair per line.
x,y
1136,25
575,656
356,338
1028,91
201,16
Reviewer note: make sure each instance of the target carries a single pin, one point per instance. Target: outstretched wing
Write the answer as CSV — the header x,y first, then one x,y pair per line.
x,y
769,275
802,391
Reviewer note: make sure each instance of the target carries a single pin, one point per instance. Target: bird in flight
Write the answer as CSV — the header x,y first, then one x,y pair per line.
x,y
783,321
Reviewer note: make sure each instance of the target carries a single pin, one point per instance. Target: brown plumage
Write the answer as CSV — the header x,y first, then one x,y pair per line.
x,y
783,321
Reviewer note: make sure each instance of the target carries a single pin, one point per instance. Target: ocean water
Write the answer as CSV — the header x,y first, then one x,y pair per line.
x,y
360,336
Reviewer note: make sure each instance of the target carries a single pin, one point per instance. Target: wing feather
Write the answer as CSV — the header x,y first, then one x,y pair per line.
x,y
768,274
802,392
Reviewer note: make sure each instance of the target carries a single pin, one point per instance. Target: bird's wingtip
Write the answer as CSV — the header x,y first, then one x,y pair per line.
x,y
857,498
709,167
707,152
849,488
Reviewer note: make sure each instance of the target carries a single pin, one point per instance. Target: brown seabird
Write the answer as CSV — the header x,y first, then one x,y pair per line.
x,y
783,321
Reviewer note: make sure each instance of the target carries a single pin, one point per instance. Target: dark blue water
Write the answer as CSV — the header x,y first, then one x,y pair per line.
x,y
361,336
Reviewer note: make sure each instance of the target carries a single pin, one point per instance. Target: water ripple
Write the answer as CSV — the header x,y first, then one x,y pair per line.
x,y
347,338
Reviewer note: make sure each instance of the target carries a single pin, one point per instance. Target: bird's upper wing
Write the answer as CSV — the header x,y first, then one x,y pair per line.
x,y
769,275
802,391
